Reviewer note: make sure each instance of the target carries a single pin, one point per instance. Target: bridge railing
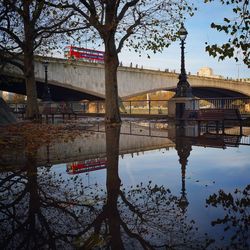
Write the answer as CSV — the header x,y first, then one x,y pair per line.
x,y
242,104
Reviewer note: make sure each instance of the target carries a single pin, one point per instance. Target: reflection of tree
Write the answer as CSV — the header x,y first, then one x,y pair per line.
x,y
34,211
40,209
145,216
236,218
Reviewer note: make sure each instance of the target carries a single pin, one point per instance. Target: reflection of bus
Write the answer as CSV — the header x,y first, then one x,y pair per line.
x,y
85,54
86,166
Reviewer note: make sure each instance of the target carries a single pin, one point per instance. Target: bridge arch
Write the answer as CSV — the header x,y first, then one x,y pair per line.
x,y
87,80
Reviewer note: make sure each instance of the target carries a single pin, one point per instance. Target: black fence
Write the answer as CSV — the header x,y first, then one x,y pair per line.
x,y
150,107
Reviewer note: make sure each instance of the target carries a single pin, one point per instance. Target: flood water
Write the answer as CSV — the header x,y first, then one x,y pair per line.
x,y
139,186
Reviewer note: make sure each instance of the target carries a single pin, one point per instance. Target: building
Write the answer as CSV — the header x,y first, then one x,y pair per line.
x,y
207,72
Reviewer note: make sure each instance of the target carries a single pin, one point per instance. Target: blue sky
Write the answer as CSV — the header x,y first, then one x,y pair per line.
x,y
199,32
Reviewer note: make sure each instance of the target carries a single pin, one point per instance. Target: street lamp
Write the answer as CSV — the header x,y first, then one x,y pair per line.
x,y
46,91
183,87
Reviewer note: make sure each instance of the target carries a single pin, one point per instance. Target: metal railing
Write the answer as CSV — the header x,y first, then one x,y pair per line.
x,y
242,104
146,107
149,107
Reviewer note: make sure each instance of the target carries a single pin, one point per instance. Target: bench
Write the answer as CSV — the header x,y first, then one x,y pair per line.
x,y
53,109
212,115
232,114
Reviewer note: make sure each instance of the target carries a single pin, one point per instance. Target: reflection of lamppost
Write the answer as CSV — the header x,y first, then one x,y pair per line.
x,y
183,87
183,148
46,91
183,201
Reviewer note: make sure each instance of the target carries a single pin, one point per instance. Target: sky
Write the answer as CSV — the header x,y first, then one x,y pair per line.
x,y
199,32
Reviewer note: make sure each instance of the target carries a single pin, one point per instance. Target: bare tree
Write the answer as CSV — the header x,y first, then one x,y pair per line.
x,y
140,24
26,28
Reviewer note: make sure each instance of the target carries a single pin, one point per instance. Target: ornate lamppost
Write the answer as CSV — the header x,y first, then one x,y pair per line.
x,y
183,87
46,90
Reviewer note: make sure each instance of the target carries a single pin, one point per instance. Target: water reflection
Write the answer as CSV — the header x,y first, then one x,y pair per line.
x,y
90,142
146,216
113,187
40,209
34,212
183,147
236,217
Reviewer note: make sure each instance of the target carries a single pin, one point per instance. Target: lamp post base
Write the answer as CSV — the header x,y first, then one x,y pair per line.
x,y
178,105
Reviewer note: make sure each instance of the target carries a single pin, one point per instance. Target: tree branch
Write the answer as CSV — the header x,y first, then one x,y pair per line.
x,y
128,34
143,242
130,206
125,8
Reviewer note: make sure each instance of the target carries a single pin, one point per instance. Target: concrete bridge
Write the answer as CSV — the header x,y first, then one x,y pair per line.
x,y
82,80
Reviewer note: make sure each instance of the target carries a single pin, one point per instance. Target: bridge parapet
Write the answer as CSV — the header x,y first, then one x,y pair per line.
x,y
89,78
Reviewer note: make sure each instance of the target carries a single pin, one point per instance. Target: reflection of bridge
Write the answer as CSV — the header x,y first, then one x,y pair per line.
x,y
216,141
91,145
134,139
81,80
215,136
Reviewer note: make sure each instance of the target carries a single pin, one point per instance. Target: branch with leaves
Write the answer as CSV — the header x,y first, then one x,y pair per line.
x,y
235,221
237,30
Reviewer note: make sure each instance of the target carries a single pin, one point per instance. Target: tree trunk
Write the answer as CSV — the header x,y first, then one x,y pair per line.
x,y
32,111
111,63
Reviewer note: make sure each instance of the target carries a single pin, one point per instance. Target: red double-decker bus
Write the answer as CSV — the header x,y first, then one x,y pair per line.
x,y
86,166
83,54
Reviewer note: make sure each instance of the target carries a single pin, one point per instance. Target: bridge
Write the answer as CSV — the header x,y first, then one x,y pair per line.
x,y
76,80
